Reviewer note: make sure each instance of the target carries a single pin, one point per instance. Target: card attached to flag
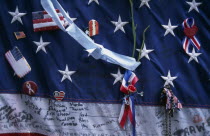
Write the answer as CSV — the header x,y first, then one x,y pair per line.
x,y
18,62
19,35
42,21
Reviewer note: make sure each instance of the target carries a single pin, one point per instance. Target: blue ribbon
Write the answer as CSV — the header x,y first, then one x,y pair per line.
x,y
133,112
95,50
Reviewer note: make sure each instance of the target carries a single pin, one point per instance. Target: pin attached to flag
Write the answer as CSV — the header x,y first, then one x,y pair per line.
x,y
19,35
59,95
42,21
93,28
30,88
18,62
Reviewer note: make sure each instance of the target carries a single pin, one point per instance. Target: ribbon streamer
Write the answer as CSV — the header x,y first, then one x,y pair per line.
x,y
128,111
190,29
95,50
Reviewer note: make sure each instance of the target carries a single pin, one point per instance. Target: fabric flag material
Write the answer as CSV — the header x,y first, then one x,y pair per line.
x,y
42,21
129,78
18,62
19,35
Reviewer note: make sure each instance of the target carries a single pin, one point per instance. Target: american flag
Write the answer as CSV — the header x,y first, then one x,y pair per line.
x,y
42,21
92,83
18,62
19,35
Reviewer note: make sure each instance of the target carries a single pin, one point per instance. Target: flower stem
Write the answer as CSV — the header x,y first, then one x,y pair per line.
x,y
142,45
133,28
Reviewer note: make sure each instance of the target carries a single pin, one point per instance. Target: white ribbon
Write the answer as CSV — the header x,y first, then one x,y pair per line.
x,y
95,50
30,90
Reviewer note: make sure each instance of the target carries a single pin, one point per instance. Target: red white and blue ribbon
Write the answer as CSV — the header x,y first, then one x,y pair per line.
x,y
190,30
129,78
128,111
128,106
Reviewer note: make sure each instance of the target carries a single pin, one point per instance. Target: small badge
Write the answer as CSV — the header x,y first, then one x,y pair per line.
x,y
59,95
19,35
93,28
30,88
18,62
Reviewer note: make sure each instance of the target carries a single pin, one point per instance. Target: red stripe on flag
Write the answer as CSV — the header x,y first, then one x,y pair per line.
x,y
45,20
45,12
46,28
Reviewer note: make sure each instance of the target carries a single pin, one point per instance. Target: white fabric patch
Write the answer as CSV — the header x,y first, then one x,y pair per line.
x,y
22,113
47,24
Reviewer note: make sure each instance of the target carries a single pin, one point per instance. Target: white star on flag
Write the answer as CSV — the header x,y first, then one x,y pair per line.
x,y
16,15
66,74
194,5
145,52
169,79
193,56
169,28
118,76
41,45
66,22
144,2
119,24
90,1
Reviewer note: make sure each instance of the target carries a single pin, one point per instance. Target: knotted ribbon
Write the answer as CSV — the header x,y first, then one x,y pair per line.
x,y
190,30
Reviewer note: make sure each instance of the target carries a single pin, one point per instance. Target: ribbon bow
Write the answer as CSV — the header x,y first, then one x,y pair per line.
x,y
190,30
129,80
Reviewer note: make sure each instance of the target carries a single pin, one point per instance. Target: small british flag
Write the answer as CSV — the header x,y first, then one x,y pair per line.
x,y
18,62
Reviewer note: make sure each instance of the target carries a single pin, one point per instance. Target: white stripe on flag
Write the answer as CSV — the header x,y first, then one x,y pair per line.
x,y
47,24
48,16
